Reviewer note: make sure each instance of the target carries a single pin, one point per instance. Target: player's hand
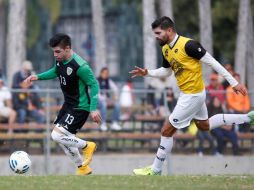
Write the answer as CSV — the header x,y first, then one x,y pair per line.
x,y
138,72
96,116
240,89
29,80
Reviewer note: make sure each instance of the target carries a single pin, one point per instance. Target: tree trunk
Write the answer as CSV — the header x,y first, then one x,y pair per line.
x,y
241,45
16,37
150,54
2,37
99,32
250,57
166,8
206,39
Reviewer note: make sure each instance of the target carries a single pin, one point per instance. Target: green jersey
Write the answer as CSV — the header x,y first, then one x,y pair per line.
x,y
76,79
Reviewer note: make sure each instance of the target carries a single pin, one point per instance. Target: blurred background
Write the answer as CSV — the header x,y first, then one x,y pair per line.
x,y
114,36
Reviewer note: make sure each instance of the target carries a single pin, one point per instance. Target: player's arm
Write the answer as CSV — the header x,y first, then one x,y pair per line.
x,y
163,71
87,76
50,74
194,49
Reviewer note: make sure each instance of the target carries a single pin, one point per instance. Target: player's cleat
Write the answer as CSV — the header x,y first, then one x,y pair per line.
x,y
84,170
251,116
145,171
88,152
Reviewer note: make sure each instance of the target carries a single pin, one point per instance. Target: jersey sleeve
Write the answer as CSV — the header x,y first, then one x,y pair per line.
x,y
49,74
194,49
86,75
165,63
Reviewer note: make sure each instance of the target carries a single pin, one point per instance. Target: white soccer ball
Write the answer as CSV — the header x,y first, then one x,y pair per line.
x,y
20,162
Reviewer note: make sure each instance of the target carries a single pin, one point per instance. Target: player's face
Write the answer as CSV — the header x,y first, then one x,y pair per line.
x,y
60,54
161,36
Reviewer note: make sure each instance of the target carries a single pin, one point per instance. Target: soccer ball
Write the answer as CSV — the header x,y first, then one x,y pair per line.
x,y
19,162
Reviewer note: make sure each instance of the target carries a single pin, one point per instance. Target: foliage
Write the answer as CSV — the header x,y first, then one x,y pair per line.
x,y
34,27
34,20
225,18
53,7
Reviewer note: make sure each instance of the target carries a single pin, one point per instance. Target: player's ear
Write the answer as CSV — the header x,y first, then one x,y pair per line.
x,y
169,30
67,48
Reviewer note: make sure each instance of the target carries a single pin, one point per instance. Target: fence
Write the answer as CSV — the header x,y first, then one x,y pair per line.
x,y
141,131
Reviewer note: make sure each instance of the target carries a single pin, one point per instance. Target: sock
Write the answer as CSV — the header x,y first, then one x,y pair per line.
x,y
73,154
165,148
68,140
227,119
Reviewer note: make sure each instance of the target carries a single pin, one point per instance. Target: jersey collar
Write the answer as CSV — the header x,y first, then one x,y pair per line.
x,y
171,44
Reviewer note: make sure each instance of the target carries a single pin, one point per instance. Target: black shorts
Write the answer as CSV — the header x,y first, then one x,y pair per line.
x,y
71,119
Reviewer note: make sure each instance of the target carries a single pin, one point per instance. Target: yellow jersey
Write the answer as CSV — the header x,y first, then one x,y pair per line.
x,y
184,59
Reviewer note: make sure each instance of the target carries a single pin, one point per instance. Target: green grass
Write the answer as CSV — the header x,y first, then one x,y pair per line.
x,y
99,182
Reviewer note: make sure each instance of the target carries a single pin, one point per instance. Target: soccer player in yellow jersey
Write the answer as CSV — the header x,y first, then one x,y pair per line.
x,y
184,57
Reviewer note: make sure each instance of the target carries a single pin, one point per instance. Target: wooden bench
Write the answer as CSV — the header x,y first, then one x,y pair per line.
x,y
148,119
107,141
246,141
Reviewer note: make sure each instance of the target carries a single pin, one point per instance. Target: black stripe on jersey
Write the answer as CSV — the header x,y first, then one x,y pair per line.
x,y
194,49
88,95
165,63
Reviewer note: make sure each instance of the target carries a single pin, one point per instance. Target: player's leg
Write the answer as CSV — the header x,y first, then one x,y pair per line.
x,y
166,144
74,155
224,119
185,110
62,136
203,123
68,123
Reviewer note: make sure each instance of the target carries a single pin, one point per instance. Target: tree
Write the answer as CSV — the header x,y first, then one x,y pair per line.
x,y
150,54
166,8
205,28
99,33
241,44
16,37
2,35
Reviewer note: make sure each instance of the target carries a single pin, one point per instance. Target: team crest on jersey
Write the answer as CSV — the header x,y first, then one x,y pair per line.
x,y
69,70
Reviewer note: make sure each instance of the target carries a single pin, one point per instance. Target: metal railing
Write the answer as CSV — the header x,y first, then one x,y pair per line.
x,y
54,97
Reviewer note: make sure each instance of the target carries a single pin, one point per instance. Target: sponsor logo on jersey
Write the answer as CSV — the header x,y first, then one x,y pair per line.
x,y
176,50
69,70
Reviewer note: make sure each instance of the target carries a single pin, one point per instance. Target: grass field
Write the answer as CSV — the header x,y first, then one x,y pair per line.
x,y
99,182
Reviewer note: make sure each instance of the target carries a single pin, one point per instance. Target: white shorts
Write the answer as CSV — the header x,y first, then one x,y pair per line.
x,y
189,107
5,111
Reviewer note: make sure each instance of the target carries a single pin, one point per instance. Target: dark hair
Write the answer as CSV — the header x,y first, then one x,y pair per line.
x,y
61,40
104,69
164,22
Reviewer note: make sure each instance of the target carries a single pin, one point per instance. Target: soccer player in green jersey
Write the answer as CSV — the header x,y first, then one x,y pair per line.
x,y
75,77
